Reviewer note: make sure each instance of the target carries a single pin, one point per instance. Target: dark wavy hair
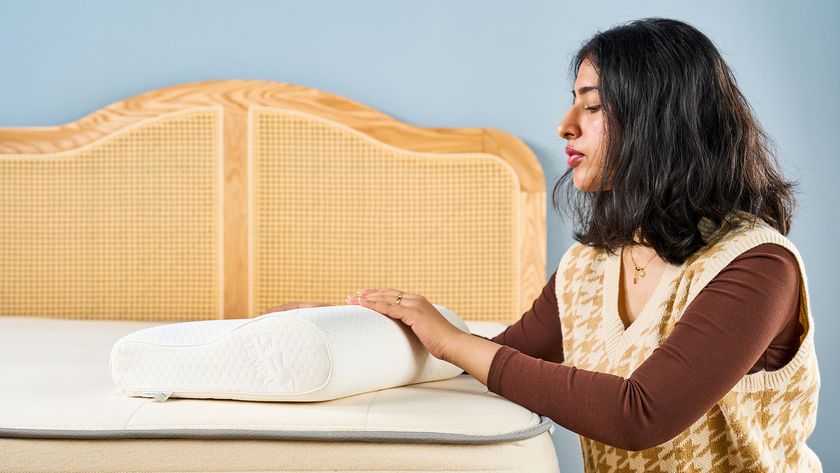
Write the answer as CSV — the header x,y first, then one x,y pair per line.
x,y
682,144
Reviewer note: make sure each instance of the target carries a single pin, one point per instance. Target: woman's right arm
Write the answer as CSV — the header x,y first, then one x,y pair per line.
x,y
537,333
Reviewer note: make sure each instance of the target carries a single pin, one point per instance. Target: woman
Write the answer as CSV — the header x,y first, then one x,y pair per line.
x,y
684,340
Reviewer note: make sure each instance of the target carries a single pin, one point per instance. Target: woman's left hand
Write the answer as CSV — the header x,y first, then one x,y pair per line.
x,y
431,327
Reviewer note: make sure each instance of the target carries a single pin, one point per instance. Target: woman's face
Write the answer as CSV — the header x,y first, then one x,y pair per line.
x,y
584,129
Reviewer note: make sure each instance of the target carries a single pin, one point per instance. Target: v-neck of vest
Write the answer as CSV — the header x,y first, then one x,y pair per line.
x,y
649,311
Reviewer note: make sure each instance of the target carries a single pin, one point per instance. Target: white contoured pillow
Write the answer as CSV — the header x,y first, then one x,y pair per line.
x,y
307,354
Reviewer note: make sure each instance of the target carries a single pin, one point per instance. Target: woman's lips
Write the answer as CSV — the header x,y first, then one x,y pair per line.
x,y
574,156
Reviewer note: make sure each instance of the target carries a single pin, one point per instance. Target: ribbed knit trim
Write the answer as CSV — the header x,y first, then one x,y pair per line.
x,y
497,366
767,379
620,338
610,286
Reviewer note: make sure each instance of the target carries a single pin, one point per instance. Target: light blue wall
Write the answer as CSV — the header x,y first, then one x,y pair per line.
x,y
474,63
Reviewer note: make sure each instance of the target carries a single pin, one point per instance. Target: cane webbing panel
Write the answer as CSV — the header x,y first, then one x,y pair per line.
x,y
127,227
333,210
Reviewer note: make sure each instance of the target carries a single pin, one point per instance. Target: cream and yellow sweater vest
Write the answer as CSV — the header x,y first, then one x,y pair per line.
x,y
759,426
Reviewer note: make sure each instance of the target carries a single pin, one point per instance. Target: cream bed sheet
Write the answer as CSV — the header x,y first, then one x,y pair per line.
x,y
60,411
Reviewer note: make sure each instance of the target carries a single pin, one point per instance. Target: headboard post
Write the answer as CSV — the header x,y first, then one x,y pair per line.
x,y
235,213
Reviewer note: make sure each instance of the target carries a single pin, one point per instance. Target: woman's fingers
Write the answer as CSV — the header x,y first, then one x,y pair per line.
x,y
274,309
294,305
386,307
385,295
362,292
378,291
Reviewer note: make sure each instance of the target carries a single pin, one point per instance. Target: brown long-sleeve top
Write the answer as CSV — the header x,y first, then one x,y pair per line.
x,y
745,320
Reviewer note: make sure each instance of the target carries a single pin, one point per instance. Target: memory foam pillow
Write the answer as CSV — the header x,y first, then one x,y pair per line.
x,y
306,354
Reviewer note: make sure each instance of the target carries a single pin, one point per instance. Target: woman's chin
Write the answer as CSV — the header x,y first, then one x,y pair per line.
x,y
583,183
579,179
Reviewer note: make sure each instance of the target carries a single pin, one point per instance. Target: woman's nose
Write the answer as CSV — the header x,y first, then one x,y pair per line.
x,y
568,129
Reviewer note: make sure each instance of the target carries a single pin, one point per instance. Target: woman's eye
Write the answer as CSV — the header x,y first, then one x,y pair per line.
x,y
593,108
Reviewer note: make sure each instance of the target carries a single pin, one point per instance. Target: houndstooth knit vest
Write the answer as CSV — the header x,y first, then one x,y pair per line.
x,y
761,425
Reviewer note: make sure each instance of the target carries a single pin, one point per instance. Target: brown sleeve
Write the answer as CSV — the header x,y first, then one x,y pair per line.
x,y
722,334
537,333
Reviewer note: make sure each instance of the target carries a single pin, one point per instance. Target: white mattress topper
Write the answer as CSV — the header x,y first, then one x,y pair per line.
x,y
55,383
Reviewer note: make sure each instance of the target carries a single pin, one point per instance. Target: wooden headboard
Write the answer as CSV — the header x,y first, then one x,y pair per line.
x,y
221,199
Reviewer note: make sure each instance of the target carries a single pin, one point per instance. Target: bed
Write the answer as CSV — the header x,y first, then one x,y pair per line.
x,y
219,200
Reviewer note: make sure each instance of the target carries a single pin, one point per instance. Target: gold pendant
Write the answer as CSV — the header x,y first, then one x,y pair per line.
x,y
640,273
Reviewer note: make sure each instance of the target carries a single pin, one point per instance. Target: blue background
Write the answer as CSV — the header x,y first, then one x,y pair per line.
x,y
446,63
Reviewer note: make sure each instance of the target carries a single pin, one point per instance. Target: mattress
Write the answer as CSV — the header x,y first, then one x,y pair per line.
x,y
61,411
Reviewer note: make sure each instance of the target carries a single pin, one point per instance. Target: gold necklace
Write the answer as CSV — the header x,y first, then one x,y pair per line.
x,y
640,271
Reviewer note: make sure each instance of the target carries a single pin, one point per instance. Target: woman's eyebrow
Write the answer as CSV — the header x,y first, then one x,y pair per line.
x,y
584,89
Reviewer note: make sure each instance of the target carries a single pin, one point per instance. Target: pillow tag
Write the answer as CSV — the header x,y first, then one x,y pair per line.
x,y
160,396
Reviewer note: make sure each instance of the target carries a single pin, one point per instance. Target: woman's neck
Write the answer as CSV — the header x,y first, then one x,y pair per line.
x,y
637,236
642,252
